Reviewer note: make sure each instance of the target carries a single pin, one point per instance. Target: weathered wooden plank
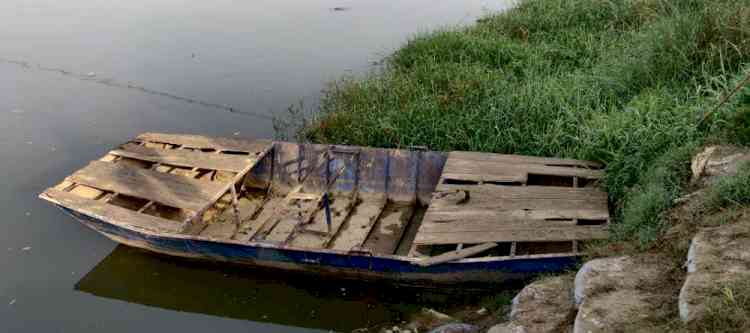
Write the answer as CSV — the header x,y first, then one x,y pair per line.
x,y
498,170
438,215
185,158
197,218
512,176
456,255
250,227
490,213
111,213
387,232
283,228
203,142
295,212
339,211
219,229
520,235
224,226
407,239
319,236
493,192
473,223
513,159
355,231
167,189
525,207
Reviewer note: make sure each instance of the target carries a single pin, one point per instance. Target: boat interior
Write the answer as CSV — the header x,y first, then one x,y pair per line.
x,y
407,202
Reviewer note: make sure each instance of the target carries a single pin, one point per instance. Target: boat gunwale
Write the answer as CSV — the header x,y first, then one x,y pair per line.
x,y
412,260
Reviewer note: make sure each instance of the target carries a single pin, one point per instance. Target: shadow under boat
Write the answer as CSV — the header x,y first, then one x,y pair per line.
x,y
263,295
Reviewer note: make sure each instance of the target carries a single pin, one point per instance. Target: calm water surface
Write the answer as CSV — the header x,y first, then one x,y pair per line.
x,y
80,76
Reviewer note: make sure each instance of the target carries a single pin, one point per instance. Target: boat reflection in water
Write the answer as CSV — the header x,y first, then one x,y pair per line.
x,y
249,293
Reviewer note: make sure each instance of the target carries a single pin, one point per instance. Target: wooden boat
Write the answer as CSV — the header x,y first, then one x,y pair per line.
x,y
409,216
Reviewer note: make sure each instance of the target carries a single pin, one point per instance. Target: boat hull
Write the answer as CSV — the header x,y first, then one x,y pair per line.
x,y
339,265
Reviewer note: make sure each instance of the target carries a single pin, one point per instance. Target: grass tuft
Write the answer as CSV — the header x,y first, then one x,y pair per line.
x,y
732,191
727,308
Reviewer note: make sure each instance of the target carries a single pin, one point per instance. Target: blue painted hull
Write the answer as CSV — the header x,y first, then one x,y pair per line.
x,y
359,266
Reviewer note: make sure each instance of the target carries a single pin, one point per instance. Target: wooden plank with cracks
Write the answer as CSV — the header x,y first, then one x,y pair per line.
x,y
527,235
197,217
360,223
455,255
184,158
520,159
387,232
111,213
257,147
168,189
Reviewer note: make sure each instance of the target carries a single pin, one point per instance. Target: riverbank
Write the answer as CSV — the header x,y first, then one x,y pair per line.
x,y
625,83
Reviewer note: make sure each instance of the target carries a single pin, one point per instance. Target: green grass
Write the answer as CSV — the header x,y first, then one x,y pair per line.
x,y
727,308
738,126
498,302
623,82
732,191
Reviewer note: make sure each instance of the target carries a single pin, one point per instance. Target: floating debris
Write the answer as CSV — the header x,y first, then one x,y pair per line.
x,y
91,74
340,9
17,111
13,301
27,248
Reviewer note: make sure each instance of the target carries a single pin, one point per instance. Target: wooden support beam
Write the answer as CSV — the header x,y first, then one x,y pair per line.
x,y
235,207
455,255
197,217
146,206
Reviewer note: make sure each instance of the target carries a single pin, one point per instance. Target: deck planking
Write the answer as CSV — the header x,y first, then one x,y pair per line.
x,y
248,229
315,234
171,190
354,233
520,159
498,168
487,212
203,142
509,203
491,213
111,213
293,215
339,211
550,234
224,226
504,172
387,232
185,158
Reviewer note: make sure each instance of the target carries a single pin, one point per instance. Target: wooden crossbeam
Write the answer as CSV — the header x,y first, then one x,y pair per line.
x,y
455,255
198,215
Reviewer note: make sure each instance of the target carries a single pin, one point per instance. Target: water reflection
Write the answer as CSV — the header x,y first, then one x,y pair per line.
x,y
248,293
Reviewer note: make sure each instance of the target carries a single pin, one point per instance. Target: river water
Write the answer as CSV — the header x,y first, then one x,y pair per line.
x,y
78,77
